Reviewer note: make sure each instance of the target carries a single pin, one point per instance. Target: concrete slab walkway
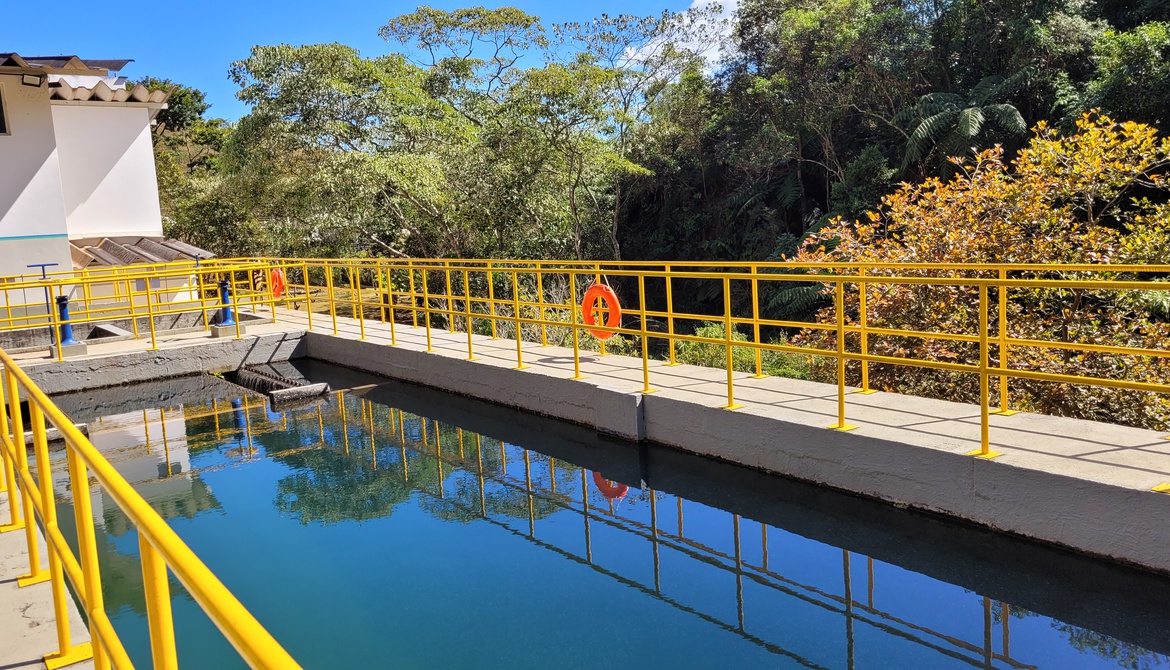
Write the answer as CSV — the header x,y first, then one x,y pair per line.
x,y
28,629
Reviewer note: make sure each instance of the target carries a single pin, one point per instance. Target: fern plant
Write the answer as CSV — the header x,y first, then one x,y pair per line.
x,y
957,123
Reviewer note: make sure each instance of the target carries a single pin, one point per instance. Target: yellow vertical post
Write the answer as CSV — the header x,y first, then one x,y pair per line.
x,y
597,279
727,330
573,326
158,607
467,313
308,300
645,335
413,293
355,281
271,297
55,326
87,550
540,303
492,301
329,293
130,306
839,306
447,290
670,315
390,299
863,321
516,313
65,653
1003,345
984,450
16,521
426,308
756,324
381,294
36,574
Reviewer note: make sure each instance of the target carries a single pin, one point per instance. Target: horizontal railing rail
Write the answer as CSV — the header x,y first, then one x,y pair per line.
x,y
32,499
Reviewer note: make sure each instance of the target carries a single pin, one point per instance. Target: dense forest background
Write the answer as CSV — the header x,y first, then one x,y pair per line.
x,y
484,133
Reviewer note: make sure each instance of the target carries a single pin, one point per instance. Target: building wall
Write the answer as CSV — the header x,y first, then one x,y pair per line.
x,y
107,170
32,210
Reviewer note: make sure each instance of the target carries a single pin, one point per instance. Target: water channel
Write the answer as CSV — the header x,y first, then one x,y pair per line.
x,y
395,526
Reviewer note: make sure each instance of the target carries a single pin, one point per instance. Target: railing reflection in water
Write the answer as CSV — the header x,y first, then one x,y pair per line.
x,y
475,477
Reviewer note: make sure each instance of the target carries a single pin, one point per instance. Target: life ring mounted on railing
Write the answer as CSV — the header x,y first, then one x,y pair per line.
x,y
277,283
601,297
611,490
273,282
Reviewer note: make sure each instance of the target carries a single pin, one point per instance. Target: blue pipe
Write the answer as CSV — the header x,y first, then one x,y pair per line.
x,y
226,317
66,327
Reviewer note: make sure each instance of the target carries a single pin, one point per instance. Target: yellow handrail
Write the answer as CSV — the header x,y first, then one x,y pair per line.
x,y
161,547
517,296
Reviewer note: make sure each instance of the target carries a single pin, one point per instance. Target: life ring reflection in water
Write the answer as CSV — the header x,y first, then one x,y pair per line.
x,y
611,490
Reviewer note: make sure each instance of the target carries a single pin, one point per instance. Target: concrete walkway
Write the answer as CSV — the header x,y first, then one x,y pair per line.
x,y
28,628
1080,484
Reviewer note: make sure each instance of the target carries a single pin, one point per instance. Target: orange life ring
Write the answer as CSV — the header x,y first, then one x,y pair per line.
x,y
611,491
597,294
277,276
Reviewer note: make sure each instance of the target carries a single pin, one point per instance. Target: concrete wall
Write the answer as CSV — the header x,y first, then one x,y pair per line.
x,y
32,210
107,170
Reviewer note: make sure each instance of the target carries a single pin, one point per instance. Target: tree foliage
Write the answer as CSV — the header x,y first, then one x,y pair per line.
x,y
1088,197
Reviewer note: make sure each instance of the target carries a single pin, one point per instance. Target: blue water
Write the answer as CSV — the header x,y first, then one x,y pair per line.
x,y
427,531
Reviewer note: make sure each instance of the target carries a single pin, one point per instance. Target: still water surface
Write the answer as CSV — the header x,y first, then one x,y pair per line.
x,y
393,526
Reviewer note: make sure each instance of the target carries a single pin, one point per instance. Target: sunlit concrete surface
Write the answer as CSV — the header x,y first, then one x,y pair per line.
x,y
1080,484
28,629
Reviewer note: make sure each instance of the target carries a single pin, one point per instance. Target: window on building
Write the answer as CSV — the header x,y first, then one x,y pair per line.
x,y
3,114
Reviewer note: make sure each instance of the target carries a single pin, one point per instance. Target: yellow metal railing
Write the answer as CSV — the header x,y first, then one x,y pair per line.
x,y
32,498
536,299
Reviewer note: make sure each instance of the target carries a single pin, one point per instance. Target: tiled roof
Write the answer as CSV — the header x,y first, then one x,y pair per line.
x,y
107,252
103,92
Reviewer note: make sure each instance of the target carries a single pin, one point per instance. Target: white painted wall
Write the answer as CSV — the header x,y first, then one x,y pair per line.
x,y
107,171
32,211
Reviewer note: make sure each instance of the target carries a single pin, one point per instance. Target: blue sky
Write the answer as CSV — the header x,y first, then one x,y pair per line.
x,y
194,43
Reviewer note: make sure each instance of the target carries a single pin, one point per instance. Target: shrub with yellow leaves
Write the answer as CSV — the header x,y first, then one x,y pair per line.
x,y
1098,195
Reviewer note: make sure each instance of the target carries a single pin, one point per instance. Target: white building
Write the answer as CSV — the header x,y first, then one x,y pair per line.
x,y
77,179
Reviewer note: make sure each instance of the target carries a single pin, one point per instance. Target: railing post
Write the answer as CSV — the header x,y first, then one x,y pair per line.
x,y
66,652
839,303
597,279
130,306
426,308
308,300
540,303
158,607
467,312
16,521
381,294
984,450
329,294
756,324
516,313
645,334
449,292
573,326
492,301
670,316
390,299
36,574
355,283
1003,345
863,321
87,550
413,293
727,326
